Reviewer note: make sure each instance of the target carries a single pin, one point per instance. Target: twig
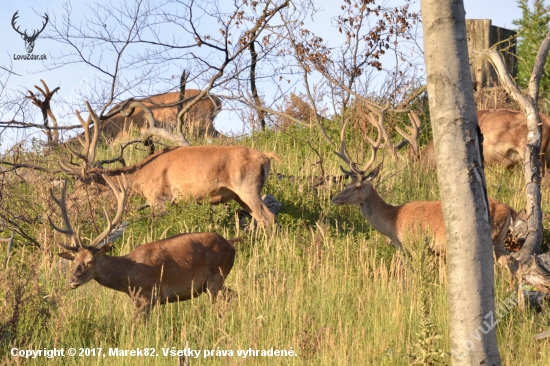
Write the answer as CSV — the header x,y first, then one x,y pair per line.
x,y
10,245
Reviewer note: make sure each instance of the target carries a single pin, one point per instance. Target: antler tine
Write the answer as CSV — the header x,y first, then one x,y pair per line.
x,y
378,122
414,129
375,145
89,145
86,126
46,88
95,137
120,192
151,129
342,152
60,202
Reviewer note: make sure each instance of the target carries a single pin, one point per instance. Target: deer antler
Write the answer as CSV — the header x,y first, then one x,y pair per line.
x,y
89,144
151,129
120,193
414,129
68,230
376,116
375,145
44,106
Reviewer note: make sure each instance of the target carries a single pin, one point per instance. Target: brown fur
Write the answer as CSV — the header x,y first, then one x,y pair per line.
x,y
396,222
198,121
217,174
168,270
504,138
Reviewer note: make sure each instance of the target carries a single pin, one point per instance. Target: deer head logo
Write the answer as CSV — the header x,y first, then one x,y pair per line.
x,y
29,39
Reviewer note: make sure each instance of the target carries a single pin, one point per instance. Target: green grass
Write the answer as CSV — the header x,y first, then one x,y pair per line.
x,y
326,285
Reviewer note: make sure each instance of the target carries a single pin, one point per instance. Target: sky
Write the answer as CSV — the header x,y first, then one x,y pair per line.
x,y
71,78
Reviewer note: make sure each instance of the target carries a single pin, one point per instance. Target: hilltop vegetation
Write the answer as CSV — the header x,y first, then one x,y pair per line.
x,y
325,285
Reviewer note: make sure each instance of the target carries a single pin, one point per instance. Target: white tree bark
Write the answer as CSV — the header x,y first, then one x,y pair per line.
x,y
461,183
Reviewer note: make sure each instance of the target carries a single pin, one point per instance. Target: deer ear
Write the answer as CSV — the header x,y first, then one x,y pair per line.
x,y
373,174
67,255
105,249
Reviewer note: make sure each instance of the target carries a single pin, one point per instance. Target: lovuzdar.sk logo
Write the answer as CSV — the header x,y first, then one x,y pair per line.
x,y
29,39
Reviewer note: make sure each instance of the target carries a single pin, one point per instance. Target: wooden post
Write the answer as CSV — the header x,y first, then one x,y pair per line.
x,y
481,36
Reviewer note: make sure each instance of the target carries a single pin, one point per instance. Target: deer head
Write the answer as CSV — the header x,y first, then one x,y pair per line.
x,y
86,256
29,40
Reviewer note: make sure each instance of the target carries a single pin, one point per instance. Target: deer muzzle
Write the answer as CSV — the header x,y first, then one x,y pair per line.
x,y
73,283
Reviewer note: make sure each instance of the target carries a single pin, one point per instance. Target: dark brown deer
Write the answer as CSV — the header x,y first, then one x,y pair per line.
x,y
216,174
168,270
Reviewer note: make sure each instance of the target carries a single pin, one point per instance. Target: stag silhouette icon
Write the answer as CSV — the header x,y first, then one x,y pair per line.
x,y
29,40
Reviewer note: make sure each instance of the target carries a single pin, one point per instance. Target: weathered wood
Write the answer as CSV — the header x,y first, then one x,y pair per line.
x,y
482,35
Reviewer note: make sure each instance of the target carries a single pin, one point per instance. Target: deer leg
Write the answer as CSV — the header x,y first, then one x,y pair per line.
x,y
143,306
259,211
243,205
502,255
214,286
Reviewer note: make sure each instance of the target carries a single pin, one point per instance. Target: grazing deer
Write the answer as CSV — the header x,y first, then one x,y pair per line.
x,y
216,174
396,222
504,138
168,270
198,120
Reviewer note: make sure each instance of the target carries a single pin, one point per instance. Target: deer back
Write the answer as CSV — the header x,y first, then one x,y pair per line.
x,y
504,138
198,121
428,216
207,172
178,266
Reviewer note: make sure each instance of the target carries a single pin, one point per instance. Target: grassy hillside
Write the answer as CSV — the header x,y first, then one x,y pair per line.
x,y
325,286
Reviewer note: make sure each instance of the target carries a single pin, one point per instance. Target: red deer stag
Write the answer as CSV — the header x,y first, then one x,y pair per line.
x,y
198,120
215,173
168,270
504,137
396,222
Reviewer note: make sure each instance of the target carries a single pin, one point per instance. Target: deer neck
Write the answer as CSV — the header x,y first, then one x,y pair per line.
x,y
113,272
379,214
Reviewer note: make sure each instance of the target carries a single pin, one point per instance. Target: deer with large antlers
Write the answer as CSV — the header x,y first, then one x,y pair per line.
x,y
168,270
399,222
217,174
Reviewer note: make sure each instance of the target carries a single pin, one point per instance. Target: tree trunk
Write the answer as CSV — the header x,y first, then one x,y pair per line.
x,y
461,183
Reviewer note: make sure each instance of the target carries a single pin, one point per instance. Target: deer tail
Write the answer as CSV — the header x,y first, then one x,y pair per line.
x,y
235,240
273,156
